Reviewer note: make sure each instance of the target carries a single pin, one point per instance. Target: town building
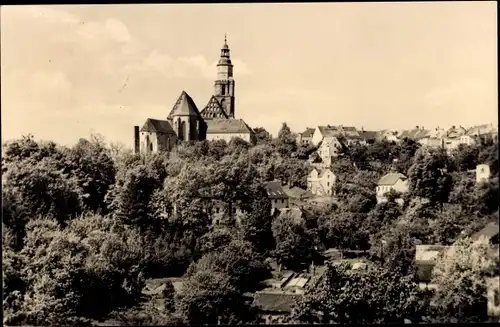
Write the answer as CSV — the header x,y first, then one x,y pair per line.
x,y
277,195
320,182
416,134
482,173
349,134
306,136
454,137
329,148
485,130
391,182
186,123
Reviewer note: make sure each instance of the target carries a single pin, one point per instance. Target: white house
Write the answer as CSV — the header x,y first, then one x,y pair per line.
x,y
391,181
330,147
482,173
320,182
454,137
322,132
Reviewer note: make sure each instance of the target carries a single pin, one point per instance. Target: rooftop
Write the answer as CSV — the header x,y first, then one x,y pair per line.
x,y
157,126
390,179
230,126
184,106
275,190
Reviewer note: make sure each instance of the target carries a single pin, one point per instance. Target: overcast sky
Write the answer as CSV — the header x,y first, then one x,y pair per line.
x,y
68,71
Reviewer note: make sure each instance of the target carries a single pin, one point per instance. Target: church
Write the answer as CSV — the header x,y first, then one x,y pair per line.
x,y
186,123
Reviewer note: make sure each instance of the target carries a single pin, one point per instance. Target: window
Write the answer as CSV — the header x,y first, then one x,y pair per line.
x,y
223,92
328,184
217,210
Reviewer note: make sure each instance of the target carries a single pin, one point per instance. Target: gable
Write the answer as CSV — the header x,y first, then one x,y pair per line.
x,y
184,106
213,109
157,126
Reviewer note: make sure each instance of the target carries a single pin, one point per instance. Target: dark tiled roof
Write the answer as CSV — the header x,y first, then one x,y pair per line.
x,y
275,302
308,132
213,110
414,134
369,135
489,231
219,126
329,131
184,106
275,190
390,179
455,132
157,126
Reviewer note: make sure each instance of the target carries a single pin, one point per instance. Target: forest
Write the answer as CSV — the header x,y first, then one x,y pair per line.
x,y
85,226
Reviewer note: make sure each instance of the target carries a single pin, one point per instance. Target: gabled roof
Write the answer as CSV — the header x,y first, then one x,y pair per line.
x,y
230,126
213,109
484,129
329,131
308,132
184,106
275,301
390,179
455,132
489,231
275,190
414,134
157,126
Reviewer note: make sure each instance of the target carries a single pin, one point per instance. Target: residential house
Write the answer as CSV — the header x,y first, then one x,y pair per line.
x,y
454,137
416,134
277,195
388,135
491,232
348,133
391,181
329,148
320,182
486,130
434,138
482,173
306,136
322,132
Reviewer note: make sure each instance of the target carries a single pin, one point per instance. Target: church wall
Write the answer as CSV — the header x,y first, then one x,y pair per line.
x,y
148,142
228,136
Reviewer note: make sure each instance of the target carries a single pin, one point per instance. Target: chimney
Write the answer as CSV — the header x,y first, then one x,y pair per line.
x,y
136,139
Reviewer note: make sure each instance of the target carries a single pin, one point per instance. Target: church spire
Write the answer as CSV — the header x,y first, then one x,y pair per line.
x,y
224,85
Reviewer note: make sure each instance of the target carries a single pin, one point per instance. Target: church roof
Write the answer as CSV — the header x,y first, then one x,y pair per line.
x,y
230,126
157,126
213,109
184,106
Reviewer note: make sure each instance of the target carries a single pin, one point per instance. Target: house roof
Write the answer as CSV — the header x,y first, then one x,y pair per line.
x,y
294,192
275,301
425,260
489,231
482,130
369,135
329,131
455,132
390,179
275,190
308,132
414,134
213,109
230,126
157,126
184,106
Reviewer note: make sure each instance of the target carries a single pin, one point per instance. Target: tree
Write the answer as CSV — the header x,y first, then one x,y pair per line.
x,y
345,296
262,136
256,225
429,175
294,247
383,214
209,297
465,157
459,274
286,143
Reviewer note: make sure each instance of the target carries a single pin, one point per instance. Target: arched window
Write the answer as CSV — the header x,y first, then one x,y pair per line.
x,y
182,130
223,92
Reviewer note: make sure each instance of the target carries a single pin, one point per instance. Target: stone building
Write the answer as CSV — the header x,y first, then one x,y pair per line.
x,y
391,181
186,123
320,182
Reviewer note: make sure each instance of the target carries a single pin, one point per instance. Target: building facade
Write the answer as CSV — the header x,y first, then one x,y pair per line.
x,y
186,123
320,182
391,182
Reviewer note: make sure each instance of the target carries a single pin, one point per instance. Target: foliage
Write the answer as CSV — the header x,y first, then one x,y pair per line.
x,y
460,273
345,296
286,142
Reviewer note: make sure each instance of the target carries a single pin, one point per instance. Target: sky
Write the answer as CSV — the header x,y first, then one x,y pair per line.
x,y
69,71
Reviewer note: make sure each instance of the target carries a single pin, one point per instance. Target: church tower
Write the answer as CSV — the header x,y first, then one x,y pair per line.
x,y
224,85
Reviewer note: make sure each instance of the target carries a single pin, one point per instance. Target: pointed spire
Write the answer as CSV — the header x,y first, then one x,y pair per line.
x,y
225,38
